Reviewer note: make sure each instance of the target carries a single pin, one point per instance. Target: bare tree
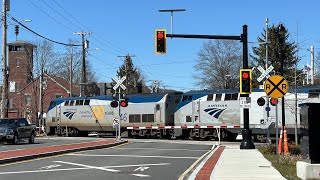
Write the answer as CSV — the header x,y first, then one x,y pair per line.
x,y
63,71
45,58
218,64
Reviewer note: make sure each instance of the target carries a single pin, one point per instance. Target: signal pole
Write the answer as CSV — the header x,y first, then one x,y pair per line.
x,y
84,47
5,74
267,107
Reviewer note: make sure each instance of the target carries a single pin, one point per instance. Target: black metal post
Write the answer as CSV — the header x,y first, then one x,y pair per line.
x,y
246,132
281,55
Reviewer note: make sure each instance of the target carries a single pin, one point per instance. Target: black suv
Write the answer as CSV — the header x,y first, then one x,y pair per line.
x,y
14,129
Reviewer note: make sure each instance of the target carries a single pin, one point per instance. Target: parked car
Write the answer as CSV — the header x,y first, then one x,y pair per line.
x,y
14,129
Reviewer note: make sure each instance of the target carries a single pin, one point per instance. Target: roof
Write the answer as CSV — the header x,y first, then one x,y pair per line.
x,y
60,82
21,42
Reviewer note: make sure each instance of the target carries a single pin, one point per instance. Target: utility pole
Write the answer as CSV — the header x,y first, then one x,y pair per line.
x,y
70,88
5,74
40,103
126,69
84,73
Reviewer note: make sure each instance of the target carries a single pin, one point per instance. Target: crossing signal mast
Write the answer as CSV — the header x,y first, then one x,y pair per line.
x,y
160,41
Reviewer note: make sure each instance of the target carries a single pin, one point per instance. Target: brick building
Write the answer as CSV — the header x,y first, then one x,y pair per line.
x,y
20,60
24,90
29,97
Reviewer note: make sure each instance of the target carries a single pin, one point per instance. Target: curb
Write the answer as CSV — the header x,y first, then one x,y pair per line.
x,y
53,153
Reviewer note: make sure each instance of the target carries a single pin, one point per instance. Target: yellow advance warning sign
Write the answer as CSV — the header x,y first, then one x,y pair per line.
x,y
276,86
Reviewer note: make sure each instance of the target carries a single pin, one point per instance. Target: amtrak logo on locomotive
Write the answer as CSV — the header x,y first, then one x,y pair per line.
x,y
69,114
215,112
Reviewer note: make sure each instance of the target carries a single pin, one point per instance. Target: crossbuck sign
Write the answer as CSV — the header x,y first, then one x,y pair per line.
x,y
119,82
265,73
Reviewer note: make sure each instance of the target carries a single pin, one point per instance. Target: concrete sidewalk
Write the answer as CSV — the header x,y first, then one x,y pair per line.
x,y
229,162
45,151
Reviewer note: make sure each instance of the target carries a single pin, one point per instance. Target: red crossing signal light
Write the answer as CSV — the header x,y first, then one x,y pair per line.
x,y
273,101
124,102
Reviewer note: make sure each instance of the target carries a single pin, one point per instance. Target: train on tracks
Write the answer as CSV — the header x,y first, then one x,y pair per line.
x,y
196,114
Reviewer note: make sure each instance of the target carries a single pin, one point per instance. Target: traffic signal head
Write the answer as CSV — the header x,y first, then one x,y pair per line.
x,y
261,101
273,101
245,81
160,41
16,30
124,102
114,104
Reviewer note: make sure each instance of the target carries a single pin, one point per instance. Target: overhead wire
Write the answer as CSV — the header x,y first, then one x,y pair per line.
x,y
65,44
91,36
121,50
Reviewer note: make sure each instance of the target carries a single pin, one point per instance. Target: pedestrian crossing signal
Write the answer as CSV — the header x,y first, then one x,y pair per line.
x,y
245,81
160,41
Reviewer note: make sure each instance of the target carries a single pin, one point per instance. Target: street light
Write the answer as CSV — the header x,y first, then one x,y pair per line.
x,y
172,10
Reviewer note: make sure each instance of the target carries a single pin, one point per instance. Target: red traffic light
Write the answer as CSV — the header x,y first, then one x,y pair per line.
x,y
245,75
245,81
273,101
160,35
160,41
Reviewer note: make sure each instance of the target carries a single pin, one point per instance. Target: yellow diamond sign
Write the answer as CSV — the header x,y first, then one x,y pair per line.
x,y
276,86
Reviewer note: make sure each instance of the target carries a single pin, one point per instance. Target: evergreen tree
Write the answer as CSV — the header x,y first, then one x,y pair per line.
x,y
133,75
289,51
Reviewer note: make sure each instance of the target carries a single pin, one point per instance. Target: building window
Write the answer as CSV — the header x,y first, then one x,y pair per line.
x,y
17,87
28,99
58,96
12,86
18,62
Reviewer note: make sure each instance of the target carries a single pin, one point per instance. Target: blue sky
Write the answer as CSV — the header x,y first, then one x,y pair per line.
x,y
123,26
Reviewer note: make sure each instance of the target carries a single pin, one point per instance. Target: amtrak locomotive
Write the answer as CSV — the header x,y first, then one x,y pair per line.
x,y
195,114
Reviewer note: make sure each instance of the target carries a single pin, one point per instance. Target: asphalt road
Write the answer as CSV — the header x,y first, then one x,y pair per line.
x,y
46,141
136,160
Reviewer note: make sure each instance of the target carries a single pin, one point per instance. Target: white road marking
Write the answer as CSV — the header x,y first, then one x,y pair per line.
x,y
84,168
139,165
39,171
136,156
141,175
88,166
165,149
50,166
141,168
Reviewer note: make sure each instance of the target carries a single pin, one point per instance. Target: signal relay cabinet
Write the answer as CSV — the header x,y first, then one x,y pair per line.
x,y
310,134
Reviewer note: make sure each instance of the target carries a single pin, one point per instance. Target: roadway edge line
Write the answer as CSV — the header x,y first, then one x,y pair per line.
x,y
197,162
